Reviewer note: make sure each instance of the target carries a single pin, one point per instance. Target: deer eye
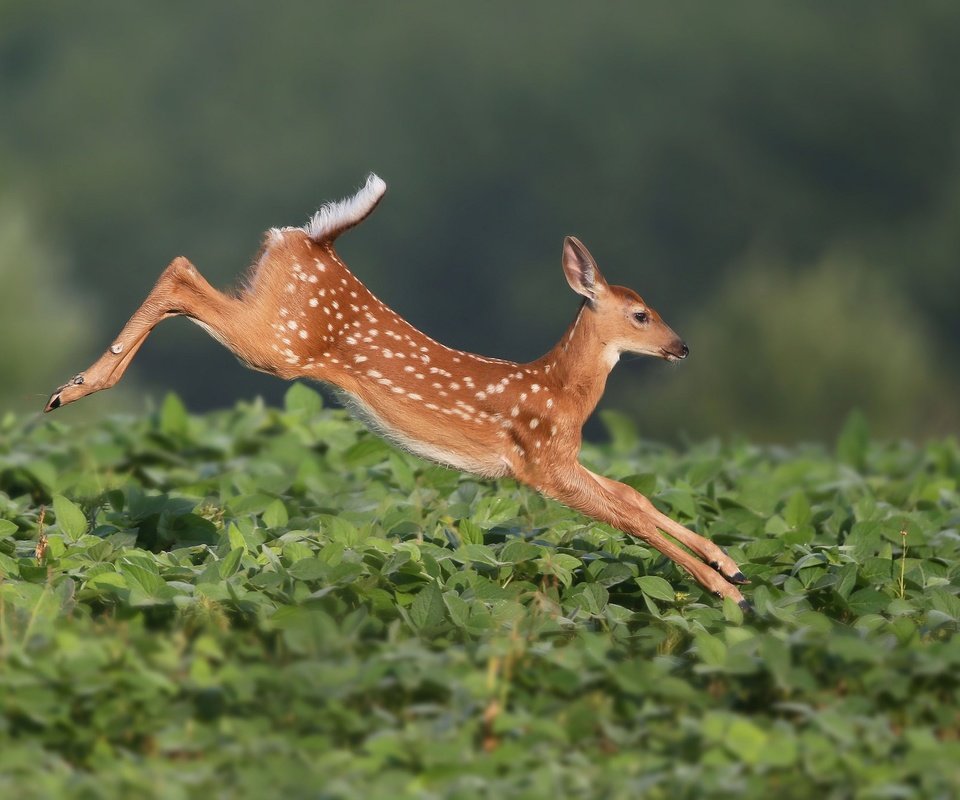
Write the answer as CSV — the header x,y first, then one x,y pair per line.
x,y
641,316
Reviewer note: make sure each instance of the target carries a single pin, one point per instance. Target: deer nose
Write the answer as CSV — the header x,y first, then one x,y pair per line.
x,y
684,350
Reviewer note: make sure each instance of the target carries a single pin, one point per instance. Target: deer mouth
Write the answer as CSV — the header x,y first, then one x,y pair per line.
x,y
672,356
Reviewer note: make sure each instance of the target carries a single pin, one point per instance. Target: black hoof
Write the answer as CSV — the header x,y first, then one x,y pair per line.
x,y
745,606
738,578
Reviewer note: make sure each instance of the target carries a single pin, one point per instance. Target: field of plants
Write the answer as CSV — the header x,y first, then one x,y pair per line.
x,y
270,602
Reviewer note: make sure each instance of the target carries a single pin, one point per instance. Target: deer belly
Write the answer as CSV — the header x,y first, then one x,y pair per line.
x,y
432,438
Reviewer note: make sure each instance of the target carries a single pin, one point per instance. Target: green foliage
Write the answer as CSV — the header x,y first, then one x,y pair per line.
x,y
259,602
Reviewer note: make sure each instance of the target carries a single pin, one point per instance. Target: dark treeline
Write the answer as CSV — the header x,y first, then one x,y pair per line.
x,y
781,181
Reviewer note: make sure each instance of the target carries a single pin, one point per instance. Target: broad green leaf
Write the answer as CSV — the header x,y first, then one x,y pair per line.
x,y
732,611
645,482
712,651
301,399
70,518
427,609
621,429
275,515
797,510
231,563
656,587
518,551
309,569
173,416
867,601
853,440
746,741
477,553
470,532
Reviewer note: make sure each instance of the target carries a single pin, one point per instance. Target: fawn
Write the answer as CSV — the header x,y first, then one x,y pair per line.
x,y
302,314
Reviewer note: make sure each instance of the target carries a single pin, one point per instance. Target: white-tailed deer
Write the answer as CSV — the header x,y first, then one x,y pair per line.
x,y
302,314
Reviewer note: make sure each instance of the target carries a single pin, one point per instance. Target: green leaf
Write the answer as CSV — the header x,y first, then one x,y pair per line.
x,y
70,517
427,609
458,608
470,532
643,482
173,416
797,510
679,500
867,601
732,611
712,651
621,428
854,440
746,741
275,515
591,597
656,587
141,577
231,563
517,551
309,569
477,553
301,399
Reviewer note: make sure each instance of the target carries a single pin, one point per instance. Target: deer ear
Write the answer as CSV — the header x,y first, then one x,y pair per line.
x,y
581,270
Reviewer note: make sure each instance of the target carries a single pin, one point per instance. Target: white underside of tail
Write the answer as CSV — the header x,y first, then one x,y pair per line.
x,y
335,217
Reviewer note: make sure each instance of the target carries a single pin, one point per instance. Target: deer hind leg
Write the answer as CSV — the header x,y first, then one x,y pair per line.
x,y
180,290
624,508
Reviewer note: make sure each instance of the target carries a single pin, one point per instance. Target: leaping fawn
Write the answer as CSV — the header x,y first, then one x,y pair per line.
x,y
302,314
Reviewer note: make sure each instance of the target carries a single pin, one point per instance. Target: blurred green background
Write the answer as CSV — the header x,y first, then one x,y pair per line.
x,y
781,181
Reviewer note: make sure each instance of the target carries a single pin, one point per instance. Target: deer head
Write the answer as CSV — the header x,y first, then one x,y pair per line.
x,y
622,320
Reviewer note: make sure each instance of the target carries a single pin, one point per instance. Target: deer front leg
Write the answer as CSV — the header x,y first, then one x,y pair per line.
x,y
712,553
619,505
180,290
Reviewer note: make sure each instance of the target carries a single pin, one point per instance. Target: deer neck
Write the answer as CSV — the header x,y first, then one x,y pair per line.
x,y
580,362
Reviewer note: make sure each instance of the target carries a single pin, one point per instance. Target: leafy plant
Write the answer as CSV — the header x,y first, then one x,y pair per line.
x,y
259,601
